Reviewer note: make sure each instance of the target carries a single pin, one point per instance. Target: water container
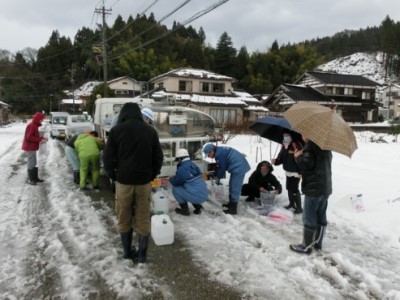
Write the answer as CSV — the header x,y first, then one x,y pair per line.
x,y
267,199
162,230
160,203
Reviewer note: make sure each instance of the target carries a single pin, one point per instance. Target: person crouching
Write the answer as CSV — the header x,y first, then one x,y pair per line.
x,y
188,185
260,181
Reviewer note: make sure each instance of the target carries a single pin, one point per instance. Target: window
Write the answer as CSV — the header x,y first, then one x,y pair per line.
x,y
329,90
185,86
348,91
224,116
218,88
205,87
366,95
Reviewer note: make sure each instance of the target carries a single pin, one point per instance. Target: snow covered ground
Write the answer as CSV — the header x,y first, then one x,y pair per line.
x,y
56,242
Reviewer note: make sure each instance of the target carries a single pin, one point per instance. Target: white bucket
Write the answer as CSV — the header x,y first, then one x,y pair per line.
x,y
160,203
162,230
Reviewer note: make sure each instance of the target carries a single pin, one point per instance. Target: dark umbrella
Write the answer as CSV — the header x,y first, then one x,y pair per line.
x,y
272,128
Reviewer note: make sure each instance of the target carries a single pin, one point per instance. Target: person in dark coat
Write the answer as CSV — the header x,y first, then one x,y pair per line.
x,y
133,158
188,184
315,167
30,145
286,159
231,160
261,180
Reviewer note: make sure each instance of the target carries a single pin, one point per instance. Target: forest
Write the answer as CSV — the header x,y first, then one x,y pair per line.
x,y
141,48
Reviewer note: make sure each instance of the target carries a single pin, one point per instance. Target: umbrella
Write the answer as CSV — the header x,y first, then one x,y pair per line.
x,y
323,126
272,128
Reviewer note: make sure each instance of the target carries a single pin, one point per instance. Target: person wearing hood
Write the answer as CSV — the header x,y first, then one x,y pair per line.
x,y
188,185
231,160
133,158
286,159
147,115
30,145
261,180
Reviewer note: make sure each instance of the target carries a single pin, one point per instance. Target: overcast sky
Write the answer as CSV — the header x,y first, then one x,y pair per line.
x,y
251,23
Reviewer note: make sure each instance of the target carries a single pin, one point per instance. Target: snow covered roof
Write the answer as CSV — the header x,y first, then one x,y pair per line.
x,y
121,78
201,99
193,73
4,104
246,97
71,101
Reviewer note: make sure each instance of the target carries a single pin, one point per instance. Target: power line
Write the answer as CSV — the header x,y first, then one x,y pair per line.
x,y
188,21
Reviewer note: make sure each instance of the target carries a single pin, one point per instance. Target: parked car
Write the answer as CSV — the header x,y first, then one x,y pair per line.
x,y
58,124
78,124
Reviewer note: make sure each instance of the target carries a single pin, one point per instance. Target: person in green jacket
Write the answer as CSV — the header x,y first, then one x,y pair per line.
x,y
88,148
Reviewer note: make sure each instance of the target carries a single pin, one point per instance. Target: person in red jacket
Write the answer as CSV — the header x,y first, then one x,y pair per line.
x,y
30,144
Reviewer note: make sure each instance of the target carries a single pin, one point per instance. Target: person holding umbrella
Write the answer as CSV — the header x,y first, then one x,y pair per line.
x,y
286,159
315,167
323,131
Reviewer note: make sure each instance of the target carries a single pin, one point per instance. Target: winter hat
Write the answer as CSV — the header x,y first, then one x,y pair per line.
x,y
148,113
208,147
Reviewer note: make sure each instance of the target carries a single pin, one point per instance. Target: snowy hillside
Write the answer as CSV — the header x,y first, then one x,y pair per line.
x,y
369,65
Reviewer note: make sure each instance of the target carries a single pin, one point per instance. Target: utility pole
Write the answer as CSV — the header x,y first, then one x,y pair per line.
x,y
103,11
72,72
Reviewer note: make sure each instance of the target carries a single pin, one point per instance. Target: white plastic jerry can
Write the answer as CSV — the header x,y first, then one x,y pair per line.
x,y
160,203
162,230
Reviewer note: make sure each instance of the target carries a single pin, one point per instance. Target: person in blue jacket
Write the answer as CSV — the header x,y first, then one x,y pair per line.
x,y
231,160
188,185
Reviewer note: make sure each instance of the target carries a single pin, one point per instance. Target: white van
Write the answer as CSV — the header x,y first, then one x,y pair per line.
x,y
105,110
58,124
77,124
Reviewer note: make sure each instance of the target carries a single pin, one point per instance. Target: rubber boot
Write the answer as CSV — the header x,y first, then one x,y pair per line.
x,y
232,209
126,239
297,198
31,177
36,171
319,236
227,205
184,210
197,209
77,177
250,199
292,198
142,251
308,241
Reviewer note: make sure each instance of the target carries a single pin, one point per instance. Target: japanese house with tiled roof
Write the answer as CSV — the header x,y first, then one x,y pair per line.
x,y
353,95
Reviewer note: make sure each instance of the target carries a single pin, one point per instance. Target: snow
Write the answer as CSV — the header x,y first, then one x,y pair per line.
x,y
58,232
369,65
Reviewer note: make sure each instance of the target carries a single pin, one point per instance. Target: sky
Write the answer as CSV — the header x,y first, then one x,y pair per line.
x,y
54,231
255,24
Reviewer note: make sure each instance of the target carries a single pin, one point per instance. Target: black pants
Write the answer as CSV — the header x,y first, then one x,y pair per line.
x,y
249,190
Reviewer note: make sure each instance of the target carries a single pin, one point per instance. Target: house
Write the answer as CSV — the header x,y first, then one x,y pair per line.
x,y
208,92
391,99
4,113
352,95
125,87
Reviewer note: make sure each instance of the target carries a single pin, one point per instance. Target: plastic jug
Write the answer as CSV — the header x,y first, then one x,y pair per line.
x,y
160,203
162,230
267,199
